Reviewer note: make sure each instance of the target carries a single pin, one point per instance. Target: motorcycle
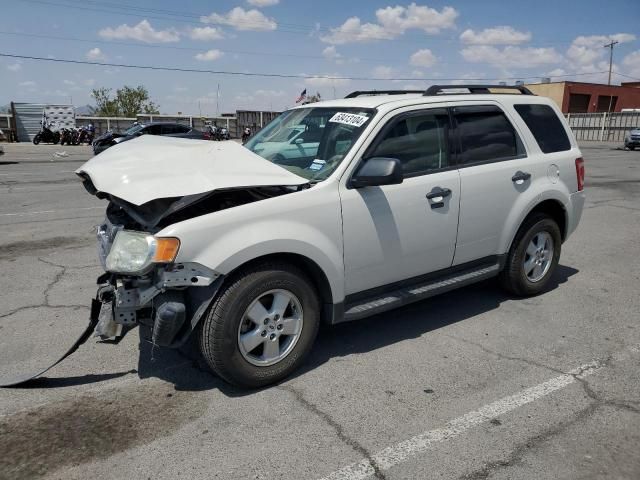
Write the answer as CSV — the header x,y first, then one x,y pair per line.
x,y
246,134
212,132
46,134
224,134
65,136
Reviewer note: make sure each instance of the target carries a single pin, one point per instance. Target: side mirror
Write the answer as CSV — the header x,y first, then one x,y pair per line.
x,y
378,171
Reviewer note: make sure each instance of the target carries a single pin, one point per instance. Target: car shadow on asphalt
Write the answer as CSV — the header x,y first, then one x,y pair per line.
x,y
187,372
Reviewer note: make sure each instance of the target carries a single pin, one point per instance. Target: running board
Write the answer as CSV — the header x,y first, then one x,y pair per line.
x,y
418,291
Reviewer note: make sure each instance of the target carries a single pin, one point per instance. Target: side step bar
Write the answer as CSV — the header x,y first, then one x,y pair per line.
x,y
418,291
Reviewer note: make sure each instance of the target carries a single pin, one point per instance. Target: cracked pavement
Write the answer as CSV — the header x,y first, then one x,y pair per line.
x,y
126,411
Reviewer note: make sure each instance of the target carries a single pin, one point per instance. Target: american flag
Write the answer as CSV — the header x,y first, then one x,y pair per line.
x,y
302,96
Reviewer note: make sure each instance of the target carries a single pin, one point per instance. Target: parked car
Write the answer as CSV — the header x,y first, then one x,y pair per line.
x,y
165,129
632,139
405,196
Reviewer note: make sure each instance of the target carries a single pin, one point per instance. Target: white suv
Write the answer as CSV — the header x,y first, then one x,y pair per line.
x,y
406,195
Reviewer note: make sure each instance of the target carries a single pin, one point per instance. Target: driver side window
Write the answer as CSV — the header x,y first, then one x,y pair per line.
x,y
420,141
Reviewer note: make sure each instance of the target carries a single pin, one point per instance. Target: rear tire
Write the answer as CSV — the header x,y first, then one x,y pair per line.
x,y
229,320
528,269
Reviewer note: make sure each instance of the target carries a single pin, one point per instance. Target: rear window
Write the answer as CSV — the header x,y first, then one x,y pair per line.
x,y
545,126
486,135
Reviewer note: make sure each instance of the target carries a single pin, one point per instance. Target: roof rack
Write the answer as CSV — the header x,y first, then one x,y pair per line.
x,y
360,93
474,89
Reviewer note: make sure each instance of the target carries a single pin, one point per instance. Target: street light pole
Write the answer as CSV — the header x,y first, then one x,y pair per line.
x,y
610,46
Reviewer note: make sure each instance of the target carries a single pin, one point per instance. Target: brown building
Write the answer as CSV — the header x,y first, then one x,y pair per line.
x,y
579,97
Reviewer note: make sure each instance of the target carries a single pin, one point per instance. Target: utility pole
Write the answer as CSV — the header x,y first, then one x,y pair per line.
x,y
610,47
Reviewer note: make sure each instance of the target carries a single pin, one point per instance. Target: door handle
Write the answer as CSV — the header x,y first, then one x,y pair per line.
x,y
438,192
520,177
437,195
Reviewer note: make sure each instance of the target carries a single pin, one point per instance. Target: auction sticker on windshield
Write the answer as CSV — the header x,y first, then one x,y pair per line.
x,y
349,119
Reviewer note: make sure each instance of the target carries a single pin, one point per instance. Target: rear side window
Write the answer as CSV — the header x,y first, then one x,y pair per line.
x,y
545,126
485,134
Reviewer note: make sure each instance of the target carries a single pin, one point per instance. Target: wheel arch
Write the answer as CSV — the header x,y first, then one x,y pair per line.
x,y
316,275
551,207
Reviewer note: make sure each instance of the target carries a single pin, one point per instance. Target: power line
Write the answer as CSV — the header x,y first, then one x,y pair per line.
x,y
277,75
174,47
292,28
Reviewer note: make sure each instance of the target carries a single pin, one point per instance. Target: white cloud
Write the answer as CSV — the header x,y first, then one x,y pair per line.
x,y
242,19
95,54
586,51
557,72
206,33
326,81
392,22
632,62
209,55
354,31
263,3
423,58
503,35
143,32
14,67
330,53
28,83
514,57
420,17
382,71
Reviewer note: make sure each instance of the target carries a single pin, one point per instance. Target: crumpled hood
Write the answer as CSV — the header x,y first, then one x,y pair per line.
x,y
152,167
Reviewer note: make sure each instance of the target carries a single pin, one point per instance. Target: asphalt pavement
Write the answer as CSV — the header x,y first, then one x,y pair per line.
x,y
473,384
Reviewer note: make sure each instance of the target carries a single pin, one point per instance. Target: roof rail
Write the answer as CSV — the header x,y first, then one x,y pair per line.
x,y
360,93
475,89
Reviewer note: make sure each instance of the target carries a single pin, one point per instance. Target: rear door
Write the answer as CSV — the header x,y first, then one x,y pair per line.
x,y
495,169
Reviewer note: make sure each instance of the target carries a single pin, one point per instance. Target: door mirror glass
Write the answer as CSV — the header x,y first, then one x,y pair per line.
x,y
378,171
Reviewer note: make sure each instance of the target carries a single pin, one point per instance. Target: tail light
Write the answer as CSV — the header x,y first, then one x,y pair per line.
x,y
580,173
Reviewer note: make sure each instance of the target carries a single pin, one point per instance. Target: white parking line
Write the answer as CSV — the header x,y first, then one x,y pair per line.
x,y
24,214
402,451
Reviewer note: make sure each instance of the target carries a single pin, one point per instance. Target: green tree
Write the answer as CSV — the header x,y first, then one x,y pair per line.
x,y
127,102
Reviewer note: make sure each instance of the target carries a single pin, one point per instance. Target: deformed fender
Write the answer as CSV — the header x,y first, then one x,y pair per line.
x,y
227,246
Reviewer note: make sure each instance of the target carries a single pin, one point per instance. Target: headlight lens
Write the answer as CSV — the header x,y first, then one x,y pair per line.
x,y
135,252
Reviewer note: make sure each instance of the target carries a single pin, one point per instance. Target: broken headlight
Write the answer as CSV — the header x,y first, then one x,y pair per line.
x,y
135,252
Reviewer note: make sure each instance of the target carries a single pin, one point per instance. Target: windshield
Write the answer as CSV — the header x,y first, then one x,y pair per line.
x,y
133,130
311,142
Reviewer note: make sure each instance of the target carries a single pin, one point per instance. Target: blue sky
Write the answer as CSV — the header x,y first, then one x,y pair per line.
x,y
402,44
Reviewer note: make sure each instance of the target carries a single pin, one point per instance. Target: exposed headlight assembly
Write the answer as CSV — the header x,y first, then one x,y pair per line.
x,y
135,252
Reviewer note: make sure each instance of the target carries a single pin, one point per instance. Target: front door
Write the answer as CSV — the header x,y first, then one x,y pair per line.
x,y
395,232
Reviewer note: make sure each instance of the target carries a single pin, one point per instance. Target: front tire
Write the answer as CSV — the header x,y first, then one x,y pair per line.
x,y
261,326
533,256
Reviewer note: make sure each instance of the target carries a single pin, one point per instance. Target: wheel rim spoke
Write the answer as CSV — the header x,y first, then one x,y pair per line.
x,y
280,303
290,326
251,340
271,350
529,265
257,313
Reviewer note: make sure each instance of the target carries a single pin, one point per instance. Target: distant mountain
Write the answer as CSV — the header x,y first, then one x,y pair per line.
x,y
84,110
